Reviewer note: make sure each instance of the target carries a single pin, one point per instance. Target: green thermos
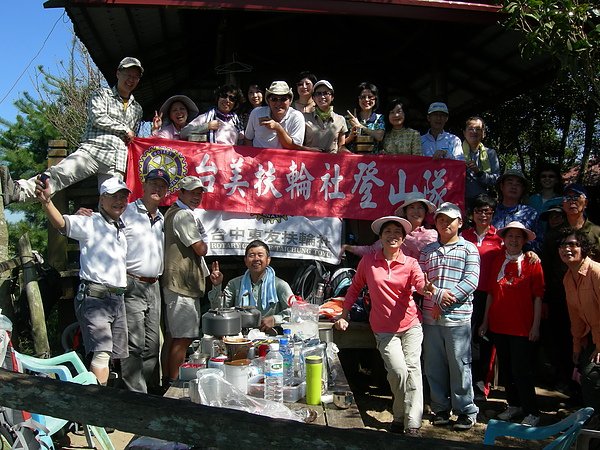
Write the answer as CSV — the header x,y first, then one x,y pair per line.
x,y
314,367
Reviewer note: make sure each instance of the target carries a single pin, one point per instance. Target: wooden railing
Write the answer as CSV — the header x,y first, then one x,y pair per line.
x,y
186,422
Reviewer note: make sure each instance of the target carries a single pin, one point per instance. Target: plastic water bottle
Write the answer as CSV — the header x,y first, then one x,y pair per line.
x,y
274,374
5,331
286,348
319,294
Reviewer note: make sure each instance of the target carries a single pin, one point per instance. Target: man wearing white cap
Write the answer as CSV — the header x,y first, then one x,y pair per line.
x,y
276,125
113,119
438,143
99,304
184,273
452,265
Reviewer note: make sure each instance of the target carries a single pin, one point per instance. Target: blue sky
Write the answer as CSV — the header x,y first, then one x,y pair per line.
x,y
24,27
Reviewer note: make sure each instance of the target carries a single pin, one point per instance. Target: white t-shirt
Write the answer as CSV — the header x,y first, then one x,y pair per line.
x,y
145,241
293,123
103,249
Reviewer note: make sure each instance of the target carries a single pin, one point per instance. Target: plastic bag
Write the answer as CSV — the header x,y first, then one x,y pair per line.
x,y
214,390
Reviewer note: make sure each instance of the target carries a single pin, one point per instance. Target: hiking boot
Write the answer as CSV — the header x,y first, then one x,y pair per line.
x,y
10,189
441,419
510,412
464,423
531,420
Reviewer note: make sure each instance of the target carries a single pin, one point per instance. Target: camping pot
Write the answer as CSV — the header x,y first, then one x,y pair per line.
x,y
250,316
222,322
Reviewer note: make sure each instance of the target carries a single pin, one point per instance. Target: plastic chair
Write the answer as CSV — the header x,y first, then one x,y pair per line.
x,y
569,428
56,366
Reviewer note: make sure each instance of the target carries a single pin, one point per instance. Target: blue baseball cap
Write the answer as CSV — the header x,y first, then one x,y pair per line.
x,y
155,174
575,187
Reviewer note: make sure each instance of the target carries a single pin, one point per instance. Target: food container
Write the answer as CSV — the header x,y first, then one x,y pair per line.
x,y
291,394
187,371
343,399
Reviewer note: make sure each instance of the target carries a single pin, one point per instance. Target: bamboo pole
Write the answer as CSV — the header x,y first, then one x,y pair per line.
x,y
34,298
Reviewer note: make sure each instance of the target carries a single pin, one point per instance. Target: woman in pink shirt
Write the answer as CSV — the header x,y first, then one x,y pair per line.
x,y
391,276
414,208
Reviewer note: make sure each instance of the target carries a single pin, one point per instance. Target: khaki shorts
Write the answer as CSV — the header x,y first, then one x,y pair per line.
x,y
182,315
103,324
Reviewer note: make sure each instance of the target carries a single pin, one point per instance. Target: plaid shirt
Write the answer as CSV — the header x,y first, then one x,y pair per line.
x,y
107,126
452,267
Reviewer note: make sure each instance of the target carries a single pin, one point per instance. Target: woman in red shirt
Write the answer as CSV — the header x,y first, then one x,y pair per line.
x,y
395,319
512,315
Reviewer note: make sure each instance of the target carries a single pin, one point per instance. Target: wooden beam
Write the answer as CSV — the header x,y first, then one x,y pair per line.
x,y
186,422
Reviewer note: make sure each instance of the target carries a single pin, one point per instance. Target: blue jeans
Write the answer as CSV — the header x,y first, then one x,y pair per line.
x,y
401,354
447,352
142,304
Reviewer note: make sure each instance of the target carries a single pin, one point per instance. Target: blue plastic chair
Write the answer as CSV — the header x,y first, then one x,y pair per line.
x,y
568,428
56,366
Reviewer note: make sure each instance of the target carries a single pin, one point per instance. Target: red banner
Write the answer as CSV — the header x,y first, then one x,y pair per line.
x,y
288,182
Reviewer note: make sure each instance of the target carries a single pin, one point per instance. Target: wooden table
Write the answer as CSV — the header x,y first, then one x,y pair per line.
x,y
327,413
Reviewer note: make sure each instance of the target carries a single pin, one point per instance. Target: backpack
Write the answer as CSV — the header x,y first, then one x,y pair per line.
x,y
340,282
17,428
307,278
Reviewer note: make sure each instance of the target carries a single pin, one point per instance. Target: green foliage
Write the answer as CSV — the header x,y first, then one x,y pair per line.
x,y
58,111
568,30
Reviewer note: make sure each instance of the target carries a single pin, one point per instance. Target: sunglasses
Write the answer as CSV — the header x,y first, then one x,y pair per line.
x,y
278,99
571,198
570,244
231,98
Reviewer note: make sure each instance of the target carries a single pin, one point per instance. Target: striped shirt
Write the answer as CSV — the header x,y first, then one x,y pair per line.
x,y
109,120
453,267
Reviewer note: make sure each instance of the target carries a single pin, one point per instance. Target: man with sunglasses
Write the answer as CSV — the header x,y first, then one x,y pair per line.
x,y
276,125
574,204
113,120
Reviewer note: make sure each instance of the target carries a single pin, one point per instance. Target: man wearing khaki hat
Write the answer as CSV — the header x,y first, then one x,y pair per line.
x,y
184,273
113,120
276,125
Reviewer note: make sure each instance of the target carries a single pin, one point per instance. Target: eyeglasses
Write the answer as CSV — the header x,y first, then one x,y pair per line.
x,y
571,198
367,97
570,244
278,99
322,94
475,129
231,98
487,212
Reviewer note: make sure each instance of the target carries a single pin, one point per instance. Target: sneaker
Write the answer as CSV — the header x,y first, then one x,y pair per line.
x,y
10,189
531,420
510,412
441,418
463,423
412,432
397,427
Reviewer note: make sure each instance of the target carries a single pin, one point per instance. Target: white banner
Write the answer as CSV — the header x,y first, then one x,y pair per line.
x,y
291,237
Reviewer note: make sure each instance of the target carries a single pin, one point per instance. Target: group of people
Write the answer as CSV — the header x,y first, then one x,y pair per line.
x,y
434,289
437,292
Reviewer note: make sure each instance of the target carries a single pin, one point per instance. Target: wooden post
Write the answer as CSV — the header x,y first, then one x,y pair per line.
x,y
186,422
34,298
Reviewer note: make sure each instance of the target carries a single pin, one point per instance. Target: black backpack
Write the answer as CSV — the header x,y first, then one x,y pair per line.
x,y
340,282
307,278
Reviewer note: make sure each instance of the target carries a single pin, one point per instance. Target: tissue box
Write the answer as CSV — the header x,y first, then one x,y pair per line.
x,y
291,394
